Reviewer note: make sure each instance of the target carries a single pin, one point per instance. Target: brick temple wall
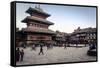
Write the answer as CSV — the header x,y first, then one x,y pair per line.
x,y
39,37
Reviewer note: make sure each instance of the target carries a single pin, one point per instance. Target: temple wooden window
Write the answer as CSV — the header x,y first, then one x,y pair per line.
x,y
35,25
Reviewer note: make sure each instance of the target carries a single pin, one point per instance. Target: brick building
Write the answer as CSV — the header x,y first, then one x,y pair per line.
x,y
37,27
85,35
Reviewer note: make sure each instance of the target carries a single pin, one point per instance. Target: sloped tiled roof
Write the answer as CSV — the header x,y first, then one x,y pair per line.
x,y
85,30
39,30
38,10
40,20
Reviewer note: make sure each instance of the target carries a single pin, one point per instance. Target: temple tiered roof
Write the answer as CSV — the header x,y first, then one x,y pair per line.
x,y
38,30
36,19
37,15
37,10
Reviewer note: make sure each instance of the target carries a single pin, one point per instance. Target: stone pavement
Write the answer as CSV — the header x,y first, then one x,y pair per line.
x,y
55,55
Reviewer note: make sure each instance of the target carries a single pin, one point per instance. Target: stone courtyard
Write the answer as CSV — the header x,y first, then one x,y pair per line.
x,y
55,55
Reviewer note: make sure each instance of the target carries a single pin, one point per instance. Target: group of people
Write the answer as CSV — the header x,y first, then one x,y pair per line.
x,y
19,55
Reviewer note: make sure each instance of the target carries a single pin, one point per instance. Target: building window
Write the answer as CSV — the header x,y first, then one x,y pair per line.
x,y
91,34
35,25
31,37
94,34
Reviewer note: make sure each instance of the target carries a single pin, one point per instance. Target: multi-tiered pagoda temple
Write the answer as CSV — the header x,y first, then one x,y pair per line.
x,y
37,26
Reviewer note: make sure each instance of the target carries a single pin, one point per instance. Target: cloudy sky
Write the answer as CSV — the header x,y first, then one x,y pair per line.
x,y
65,18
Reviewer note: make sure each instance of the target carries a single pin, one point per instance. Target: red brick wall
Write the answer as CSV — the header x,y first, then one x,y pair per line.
x,y
39,37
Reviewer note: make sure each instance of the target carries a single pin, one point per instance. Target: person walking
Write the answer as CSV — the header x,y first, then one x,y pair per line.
x,y
41,49
65,46
21,55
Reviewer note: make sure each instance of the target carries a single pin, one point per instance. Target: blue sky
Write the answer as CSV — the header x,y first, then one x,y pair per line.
x,y
65,18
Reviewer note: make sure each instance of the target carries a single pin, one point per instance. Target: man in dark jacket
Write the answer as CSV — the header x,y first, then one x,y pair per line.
x,y
17,55
41,49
